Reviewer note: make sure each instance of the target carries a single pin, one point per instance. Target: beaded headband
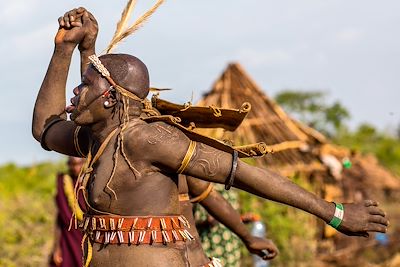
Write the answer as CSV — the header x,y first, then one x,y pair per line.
x,y
106,74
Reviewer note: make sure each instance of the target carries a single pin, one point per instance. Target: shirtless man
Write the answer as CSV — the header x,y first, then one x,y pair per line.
x,y
131,181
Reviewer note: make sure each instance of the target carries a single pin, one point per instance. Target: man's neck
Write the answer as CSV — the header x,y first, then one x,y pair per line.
x,y
101,130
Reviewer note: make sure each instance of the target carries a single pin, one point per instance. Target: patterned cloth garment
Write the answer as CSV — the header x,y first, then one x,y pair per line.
x,y
218,241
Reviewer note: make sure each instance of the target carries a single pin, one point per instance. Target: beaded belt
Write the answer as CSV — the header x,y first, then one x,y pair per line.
x,y
136,230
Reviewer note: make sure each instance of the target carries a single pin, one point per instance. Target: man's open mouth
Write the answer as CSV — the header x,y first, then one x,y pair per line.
x,y
70,108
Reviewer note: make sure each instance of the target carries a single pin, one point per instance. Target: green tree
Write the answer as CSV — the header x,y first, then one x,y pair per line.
x,y
367,139
311,108
398,131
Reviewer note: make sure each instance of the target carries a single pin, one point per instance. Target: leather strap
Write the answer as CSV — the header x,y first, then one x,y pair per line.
x,y
87,171
183,188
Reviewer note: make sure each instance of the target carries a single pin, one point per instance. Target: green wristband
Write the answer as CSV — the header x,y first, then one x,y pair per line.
x,y
338,216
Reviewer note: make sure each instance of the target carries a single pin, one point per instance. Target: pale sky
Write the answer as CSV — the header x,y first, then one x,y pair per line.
x,y
347,48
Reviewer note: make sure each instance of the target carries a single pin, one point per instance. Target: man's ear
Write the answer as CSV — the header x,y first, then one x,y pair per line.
x,y
110,100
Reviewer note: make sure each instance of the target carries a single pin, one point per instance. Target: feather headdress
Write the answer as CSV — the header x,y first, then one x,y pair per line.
x,y
122,31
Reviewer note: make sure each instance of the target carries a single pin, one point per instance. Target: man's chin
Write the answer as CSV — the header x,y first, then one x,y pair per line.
x,y
80,120
75,118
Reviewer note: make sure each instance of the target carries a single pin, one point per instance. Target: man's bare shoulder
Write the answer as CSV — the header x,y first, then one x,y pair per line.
x,y
143,135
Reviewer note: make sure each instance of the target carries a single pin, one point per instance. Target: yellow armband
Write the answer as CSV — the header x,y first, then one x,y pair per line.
x,y
203,195
188,156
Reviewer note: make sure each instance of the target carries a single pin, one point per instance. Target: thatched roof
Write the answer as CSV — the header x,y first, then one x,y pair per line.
x,y
297,147
265,122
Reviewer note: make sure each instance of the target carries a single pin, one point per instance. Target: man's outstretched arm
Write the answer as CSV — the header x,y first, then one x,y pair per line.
x,y
358,218
173,150
218,207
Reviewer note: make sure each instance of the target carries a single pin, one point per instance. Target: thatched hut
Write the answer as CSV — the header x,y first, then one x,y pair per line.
x,y
266,122
297,148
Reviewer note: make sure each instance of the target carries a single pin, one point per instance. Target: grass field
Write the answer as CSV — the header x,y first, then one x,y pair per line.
x,y
26,213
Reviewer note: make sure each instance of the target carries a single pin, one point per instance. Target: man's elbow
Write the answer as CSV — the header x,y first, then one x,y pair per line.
x,y
39,126
36,129
36,133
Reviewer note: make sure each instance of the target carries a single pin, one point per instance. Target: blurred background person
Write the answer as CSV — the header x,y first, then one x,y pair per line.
x,y
217,240
67,242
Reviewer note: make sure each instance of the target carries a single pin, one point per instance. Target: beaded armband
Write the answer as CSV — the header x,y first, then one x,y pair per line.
x,y
338,216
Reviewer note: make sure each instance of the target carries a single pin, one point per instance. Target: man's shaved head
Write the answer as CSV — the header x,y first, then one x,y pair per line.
x,y
129,72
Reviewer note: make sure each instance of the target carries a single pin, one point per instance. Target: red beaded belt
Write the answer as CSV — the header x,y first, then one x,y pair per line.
x,y
136,230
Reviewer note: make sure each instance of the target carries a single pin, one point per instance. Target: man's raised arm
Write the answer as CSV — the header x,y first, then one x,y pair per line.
x,y
76,27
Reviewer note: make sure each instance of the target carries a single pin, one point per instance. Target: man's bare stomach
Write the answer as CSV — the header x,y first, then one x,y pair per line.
x,y
154,194
157,255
